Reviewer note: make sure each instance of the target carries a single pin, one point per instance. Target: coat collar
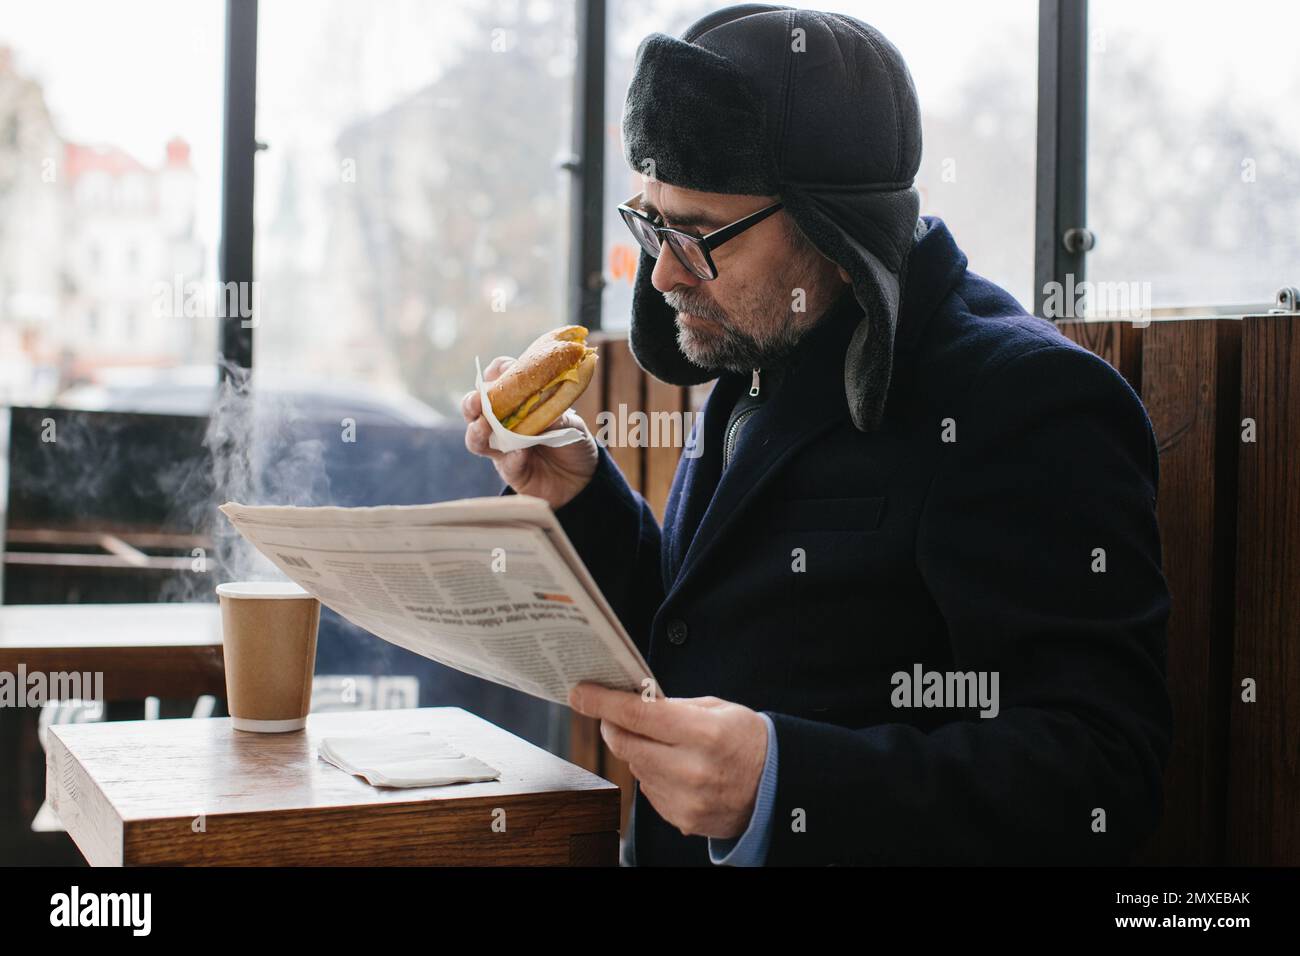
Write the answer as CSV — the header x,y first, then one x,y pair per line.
x,y
809,401
934,266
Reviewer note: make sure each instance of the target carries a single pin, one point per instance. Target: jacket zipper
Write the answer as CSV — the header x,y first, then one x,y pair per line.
x,y
728,445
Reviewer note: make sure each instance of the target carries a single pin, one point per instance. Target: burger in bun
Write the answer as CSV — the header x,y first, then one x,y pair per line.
x,y
544,381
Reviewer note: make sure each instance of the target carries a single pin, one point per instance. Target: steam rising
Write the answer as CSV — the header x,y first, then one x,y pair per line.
x,y
256,460
255,455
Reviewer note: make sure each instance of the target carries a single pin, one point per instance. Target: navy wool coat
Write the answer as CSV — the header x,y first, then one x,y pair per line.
x,y
1002,519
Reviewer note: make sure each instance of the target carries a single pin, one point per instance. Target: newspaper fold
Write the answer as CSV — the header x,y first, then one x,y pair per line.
x,y
490,586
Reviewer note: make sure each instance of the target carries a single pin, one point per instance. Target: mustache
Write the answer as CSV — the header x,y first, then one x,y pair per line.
x,y
695,305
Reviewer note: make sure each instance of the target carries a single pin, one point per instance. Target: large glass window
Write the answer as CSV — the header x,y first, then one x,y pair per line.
x,y
410,213
110,183
976,79
1193,150
110,191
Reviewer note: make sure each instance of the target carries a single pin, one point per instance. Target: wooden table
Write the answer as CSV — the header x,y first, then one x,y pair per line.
x,y
198,792
143,650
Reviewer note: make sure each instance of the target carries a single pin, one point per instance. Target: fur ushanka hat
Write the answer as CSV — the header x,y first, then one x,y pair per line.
x,y
816,108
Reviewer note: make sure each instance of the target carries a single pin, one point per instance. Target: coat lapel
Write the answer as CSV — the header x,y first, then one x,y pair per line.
x,y
809,402
697,474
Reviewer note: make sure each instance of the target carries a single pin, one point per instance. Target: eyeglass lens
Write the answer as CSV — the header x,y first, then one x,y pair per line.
x,y
690,254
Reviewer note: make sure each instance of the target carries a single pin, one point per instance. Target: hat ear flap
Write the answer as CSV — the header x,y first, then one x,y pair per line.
x,y
876,269
653,336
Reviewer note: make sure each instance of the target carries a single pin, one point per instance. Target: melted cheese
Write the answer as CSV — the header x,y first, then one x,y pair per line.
x,y
519,414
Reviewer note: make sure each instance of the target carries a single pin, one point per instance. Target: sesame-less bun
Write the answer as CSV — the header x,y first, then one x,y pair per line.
x,y
544,381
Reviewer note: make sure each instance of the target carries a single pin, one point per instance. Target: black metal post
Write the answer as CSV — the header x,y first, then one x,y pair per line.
x,y
235,338
586,213
1061,238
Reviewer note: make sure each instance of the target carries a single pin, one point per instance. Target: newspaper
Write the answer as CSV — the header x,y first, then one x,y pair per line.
x,y
490,586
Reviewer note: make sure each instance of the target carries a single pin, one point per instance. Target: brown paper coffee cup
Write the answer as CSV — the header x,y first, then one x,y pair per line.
x,y
269,642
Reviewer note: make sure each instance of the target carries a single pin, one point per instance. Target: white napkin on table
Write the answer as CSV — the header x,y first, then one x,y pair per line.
x,y
404,760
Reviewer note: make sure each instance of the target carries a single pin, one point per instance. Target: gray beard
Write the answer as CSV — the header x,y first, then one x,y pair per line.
x,y
736,351
732,349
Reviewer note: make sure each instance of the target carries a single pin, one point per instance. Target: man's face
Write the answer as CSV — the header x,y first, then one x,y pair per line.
x,y
745,318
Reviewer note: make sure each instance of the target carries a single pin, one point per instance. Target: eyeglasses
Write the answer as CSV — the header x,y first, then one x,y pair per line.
x,y
691,251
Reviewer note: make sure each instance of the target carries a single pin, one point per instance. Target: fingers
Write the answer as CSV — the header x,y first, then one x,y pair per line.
x,y
571,419
513,465
705,702
471,406
477,434
663,719
496,367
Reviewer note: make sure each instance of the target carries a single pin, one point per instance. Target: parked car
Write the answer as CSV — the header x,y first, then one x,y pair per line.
x,y
192,390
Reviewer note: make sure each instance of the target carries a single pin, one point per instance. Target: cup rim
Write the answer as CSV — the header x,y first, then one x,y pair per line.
x,y
263,590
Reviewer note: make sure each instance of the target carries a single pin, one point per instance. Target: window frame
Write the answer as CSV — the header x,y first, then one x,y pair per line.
x,y
239,148
1061,178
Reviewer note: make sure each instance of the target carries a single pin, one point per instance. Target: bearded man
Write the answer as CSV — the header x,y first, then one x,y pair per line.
x,y
908,494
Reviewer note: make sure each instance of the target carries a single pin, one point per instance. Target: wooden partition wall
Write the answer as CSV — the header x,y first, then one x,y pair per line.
x,y
1224,401
1229,511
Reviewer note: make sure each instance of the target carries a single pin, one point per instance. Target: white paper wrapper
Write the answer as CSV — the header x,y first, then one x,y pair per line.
x,y
503,439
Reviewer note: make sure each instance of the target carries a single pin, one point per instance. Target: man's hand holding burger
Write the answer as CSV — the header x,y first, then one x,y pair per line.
x,y
530,395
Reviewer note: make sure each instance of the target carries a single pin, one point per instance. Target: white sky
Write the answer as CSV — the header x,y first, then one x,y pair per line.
x,y
131,74
136,72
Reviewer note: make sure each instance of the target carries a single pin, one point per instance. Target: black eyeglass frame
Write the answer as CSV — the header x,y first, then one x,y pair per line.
x,y
705,244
